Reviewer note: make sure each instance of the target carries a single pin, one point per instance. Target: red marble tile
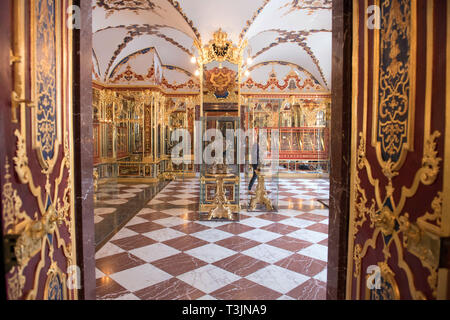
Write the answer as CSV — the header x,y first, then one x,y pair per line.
x,y
244,289
290,244
310,290
311,217
172,289
241,264
324,242
185,243
179,264
145,227
272,217
107,288
319,227
237,243
118,262
302,264
190,227
190,216
133,242
154,216
235,228
280,228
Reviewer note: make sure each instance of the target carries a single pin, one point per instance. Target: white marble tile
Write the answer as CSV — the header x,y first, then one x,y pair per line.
x,y
321,212
115,202
97,219
260,235
162,235
155,201
296,222
267,253
146,211
308,235
99,274
128,296
208,278
182,202
212,235
284,297
140,277
107,250
141,186
125,195
170,222
290,212
256,222
315,251
186,195
322,276
277,278
154,252
124,233
211,253
207,298
136,220
176,211
104,211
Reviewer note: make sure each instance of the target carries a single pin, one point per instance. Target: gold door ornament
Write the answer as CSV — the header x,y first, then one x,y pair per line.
x,y
390,225
41,218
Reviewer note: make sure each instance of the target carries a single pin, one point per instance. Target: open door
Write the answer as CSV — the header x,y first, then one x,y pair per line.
x,y
36,153
400,203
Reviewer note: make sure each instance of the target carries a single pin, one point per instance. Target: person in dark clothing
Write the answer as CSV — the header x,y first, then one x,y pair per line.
x,y
254,165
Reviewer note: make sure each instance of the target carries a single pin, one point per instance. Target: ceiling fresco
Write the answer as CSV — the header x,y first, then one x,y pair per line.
x,y
292,35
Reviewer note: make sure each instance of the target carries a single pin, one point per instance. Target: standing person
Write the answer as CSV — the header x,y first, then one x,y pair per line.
x,y
254,165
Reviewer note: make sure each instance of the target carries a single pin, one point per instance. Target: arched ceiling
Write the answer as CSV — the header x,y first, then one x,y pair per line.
x,y
291,32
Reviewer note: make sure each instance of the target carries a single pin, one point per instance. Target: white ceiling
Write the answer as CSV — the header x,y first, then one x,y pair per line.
x,y
293,31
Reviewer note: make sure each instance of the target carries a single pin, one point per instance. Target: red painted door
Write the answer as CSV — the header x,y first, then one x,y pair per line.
x,y
36,153
400,204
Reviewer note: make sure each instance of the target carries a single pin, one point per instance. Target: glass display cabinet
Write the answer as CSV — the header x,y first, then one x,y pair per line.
x,y
219,171
261,170
303,127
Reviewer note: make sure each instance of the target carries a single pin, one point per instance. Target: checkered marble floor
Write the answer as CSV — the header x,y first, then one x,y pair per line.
x,y
163,253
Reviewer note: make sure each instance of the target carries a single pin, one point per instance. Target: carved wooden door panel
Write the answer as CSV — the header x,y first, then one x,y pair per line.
x,y
399,206
36,154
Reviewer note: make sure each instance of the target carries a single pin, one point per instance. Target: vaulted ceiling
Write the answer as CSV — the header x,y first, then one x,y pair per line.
x,y
279,33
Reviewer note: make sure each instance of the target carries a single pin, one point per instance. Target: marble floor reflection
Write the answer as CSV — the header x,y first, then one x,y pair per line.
x,y
165,253
116,203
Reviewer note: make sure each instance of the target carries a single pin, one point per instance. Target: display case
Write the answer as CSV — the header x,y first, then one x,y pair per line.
x,y
303,131
261,170
219,173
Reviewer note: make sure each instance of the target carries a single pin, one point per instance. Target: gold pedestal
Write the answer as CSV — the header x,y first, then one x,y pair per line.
x,y
261,194
169,174
220,211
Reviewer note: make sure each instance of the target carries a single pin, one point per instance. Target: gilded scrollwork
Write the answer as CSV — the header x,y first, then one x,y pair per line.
x,y
357,257
39,231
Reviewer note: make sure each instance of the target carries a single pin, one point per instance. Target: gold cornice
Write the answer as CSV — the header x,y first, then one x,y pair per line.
x,y
104,86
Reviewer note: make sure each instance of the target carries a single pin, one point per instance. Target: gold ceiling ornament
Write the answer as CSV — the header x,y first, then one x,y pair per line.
x,y
220,49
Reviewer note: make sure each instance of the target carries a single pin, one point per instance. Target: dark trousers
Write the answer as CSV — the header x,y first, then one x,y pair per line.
x,y
255,176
